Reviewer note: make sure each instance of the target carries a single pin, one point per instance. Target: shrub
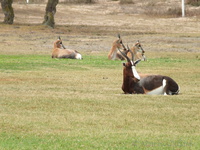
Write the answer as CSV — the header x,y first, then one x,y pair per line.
x,y
126,2
193,2
168,12
174,11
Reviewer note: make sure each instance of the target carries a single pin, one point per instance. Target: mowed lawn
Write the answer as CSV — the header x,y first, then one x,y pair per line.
x,y
78,104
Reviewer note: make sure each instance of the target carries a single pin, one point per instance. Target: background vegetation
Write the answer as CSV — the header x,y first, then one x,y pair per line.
x,y
194,2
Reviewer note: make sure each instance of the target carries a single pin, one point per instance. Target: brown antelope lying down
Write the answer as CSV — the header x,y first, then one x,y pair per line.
x,y
114,54
59,51
138,52
134,83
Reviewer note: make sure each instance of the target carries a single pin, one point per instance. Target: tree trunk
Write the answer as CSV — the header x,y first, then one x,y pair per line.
x,y
50,12
8,11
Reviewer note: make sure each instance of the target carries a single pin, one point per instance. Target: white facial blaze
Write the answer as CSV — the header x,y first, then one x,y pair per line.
x,y
136,75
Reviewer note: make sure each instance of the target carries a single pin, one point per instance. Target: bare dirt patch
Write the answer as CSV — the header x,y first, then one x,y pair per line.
x,y
92,28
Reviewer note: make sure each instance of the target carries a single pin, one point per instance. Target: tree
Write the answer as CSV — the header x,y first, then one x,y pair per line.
x,y
50,12
8,11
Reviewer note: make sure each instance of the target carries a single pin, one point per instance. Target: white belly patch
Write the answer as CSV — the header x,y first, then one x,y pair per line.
x,y
157,91
160,90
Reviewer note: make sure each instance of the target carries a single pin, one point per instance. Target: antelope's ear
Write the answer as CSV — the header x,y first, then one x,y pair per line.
x,y
136,62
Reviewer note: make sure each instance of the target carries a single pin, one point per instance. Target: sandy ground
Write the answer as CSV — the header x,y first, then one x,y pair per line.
x,y
92,28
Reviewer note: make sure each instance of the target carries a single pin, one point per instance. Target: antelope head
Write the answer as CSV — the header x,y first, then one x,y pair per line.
x,y
140,49
61,43
57,44
129,66
120,44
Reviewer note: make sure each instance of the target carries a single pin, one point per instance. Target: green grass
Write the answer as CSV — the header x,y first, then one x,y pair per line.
x,y
78,104
34,62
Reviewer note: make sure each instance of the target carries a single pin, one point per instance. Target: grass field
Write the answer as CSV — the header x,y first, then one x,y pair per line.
x,y
61,104
68,104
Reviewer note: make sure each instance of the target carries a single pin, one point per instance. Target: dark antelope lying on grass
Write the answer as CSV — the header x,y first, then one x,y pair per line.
x,y
59,51
134,83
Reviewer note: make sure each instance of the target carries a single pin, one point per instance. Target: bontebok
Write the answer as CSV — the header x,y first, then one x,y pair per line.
x,y
135,83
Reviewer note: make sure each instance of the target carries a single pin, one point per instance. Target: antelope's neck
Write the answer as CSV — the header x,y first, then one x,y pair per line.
x,y
127,83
